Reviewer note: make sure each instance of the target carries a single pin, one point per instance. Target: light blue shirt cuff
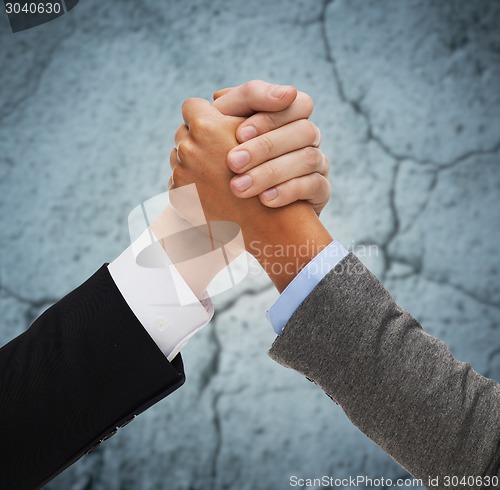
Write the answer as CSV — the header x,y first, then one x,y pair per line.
x,y
302,285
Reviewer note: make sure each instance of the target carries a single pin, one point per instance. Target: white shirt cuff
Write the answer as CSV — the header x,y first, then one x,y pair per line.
x,y
156,296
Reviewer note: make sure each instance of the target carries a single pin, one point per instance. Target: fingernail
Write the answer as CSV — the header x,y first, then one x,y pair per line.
x,y
247,133
243,182
279,91
238,159
270,194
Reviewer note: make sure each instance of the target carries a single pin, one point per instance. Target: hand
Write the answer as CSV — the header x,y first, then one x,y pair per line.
x,y
278,172
202,147
199,156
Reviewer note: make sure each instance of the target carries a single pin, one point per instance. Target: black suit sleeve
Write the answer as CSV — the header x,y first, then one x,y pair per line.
x,y
84,368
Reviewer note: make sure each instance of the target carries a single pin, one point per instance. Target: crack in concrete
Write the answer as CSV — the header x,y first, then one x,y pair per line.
x,y
436,172
218,439
389,259
218,430
357,107
416,267
466,292
396,224
423,207
36,303
33,306
306,23
213,366
438,167
210,373
211,370
465,156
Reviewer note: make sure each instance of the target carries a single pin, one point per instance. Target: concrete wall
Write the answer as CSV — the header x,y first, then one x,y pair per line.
x,y
408,102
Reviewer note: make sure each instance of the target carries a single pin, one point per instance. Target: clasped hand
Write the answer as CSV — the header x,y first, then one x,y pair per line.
x,y
251,152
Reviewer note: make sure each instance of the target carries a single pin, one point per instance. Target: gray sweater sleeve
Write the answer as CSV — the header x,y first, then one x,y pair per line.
x,y
433,414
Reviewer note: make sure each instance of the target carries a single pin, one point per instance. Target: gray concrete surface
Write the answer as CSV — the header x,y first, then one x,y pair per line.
x,y
407,97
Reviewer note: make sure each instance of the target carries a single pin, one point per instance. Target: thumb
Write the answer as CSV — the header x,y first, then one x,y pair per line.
x,y
197,109
221,92
255,96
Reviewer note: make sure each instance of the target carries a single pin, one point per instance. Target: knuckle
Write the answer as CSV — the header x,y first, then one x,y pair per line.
x,y
313,159
245,89
328,188
326,165
318,137
306,103
291,187
313,133
178,133
249,88
265,145
186,104
185,150
322,185
322,181
273,172
270,121
320,194
177,176
200,124
308,129
181,150
294,189
173,158
275,203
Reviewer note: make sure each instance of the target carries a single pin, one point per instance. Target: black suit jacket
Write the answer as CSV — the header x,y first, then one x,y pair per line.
x,y
83,369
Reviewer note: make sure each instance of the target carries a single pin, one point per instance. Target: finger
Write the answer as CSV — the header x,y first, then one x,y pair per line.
x,y
282,169
181,134
313,188
174,165
326,166
174,182
173,158
198,110
255,96
221,92
264,122
291,137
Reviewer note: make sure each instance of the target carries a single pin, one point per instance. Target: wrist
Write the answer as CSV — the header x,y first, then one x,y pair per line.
x,y
285,240
188,248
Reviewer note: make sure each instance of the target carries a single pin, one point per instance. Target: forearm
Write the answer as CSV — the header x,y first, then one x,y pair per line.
x,y
432,413
83,368
191,248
